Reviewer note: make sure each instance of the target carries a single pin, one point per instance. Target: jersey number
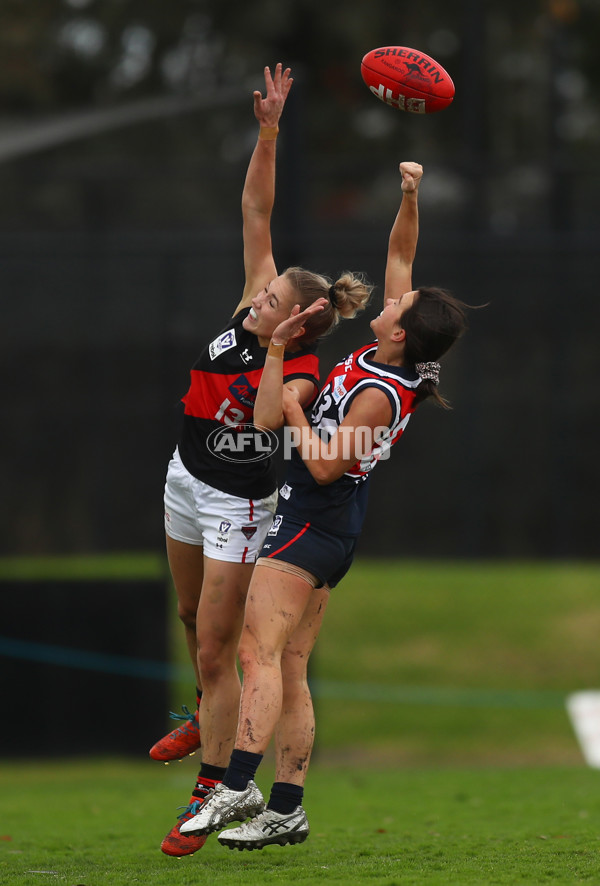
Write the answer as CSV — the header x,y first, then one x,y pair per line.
x,y
229,414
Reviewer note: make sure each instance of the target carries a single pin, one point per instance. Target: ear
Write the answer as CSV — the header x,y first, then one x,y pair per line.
x,y
398,334
299,332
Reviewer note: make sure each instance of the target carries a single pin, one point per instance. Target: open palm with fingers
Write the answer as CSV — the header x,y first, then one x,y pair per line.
x,y
268,110
291,327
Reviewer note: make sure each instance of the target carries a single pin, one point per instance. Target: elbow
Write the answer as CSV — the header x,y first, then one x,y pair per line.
x,y
252,209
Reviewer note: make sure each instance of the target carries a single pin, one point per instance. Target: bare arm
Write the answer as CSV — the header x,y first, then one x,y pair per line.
x,y
258,195
327,461
402,245
269,413
268,408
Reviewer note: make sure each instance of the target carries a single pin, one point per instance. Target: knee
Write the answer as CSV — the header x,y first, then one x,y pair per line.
x,y
209,668
214,657
187,615
253,658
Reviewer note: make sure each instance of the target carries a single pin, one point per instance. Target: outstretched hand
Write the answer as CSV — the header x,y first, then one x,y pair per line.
x,y
268,110
294,324
411,175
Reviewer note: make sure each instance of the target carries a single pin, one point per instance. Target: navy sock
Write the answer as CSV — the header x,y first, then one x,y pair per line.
x,y
285,797
198,697
242,768
215,773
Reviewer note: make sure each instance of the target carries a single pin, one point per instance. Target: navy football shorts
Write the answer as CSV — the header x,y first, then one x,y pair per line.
x,y
328,557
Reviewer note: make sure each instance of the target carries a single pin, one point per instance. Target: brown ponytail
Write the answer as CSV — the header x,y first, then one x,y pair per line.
x,y
434,321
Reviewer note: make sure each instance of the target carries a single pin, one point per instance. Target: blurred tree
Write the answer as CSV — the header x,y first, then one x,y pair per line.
x,y
525,77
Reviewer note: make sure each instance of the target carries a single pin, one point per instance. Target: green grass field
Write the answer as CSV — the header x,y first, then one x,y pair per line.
x,y
100,824
444,752
453,663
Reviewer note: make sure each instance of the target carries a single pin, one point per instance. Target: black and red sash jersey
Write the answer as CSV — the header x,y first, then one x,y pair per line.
x,y
340,507
223,385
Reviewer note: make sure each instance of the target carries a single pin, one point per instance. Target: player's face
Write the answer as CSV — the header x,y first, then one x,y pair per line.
x,y
390,319
269,307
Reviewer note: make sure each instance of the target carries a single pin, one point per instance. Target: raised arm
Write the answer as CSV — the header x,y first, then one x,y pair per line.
x,y
268,407
258,195
402,245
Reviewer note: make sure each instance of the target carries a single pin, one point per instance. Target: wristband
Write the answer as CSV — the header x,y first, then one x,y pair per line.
x,y
275,350
268,133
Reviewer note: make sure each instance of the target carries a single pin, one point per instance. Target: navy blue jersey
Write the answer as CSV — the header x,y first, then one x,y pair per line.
x,y
339,507
223,385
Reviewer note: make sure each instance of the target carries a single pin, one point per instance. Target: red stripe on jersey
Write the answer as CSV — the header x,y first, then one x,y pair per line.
x,y
244,555
251,510
229,397
211,395
291,541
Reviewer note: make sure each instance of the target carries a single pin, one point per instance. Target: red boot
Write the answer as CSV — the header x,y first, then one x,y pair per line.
x,y
181,741
177,844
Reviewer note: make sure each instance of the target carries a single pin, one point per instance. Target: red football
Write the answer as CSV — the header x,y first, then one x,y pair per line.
x,y
407,79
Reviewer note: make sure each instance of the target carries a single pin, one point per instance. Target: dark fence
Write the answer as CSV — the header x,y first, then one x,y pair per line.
x,y
99,332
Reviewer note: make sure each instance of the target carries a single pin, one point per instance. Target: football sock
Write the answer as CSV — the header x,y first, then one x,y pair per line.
x,y
198,696
285,797
207,779
242,768
215,773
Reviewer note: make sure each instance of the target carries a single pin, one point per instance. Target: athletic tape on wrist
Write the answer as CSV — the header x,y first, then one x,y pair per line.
x,y
268,133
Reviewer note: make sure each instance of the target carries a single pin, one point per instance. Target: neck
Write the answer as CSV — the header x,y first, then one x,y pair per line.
x,y
290,347
391,355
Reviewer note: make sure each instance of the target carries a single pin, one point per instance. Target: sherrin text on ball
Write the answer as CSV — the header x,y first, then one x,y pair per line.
x,y
407,79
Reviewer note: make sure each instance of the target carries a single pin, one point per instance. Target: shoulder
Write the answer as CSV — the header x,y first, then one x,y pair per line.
x,y
371,403
305,360
309,350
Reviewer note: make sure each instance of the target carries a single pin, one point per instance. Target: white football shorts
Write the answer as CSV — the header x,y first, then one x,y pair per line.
x,y
229,528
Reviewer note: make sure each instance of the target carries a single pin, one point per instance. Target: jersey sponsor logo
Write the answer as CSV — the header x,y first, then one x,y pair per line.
x,y
249,531
339,391
275,525
245,356
223,343
224,526
243,391
285,491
